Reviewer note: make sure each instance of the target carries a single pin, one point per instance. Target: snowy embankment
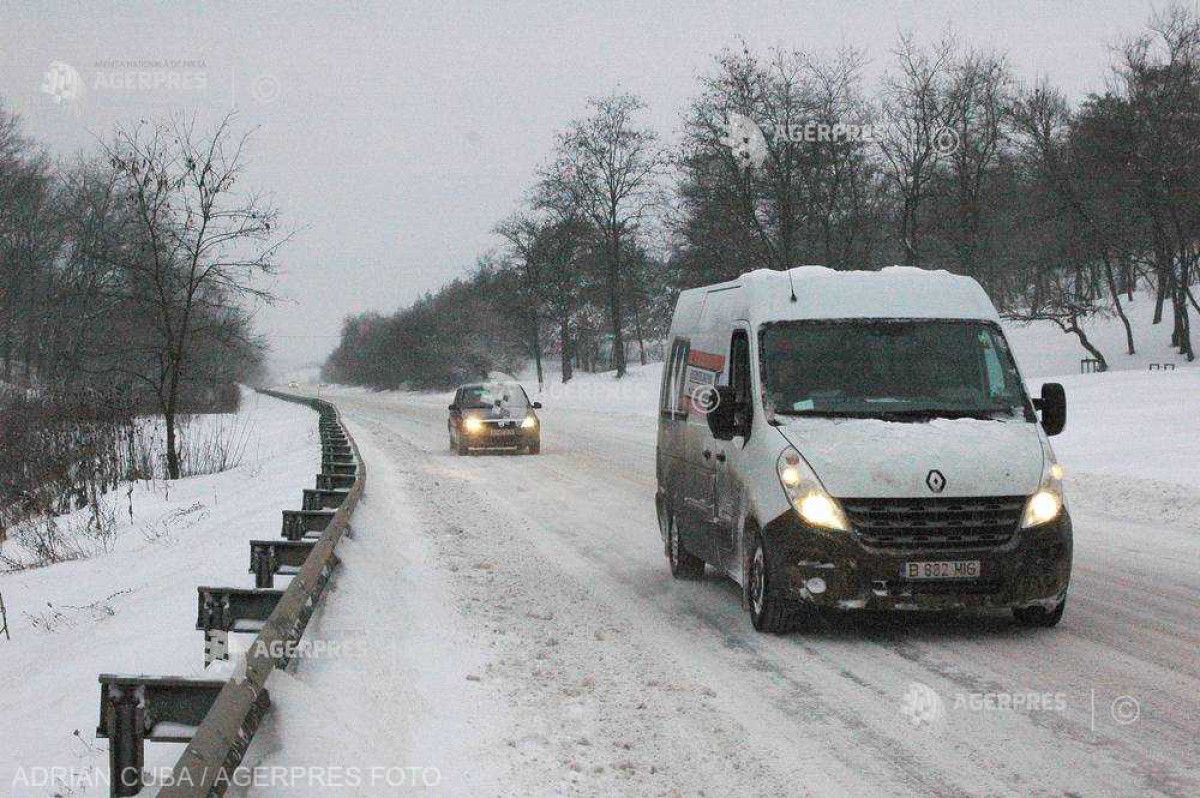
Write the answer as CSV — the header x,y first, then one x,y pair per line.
x,y
133,609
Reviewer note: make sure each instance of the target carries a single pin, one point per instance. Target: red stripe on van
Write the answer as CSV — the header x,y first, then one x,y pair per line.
x,y
706,360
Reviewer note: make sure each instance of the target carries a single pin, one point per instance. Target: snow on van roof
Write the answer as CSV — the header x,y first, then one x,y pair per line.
x,y
892,292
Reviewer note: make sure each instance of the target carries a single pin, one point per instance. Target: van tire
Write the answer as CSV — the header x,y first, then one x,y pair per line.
x,y
461,448
684,564
1039,616
770,612
534,448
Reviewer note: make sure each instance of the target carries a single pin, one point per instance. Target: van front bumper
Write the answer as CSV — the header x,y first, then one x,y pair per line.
x,y
1033,569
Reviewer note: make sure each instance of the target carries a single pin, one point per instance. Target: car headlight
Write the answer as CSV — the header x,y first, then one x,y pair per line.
x,y
529,422
806,493
1047,501
472,425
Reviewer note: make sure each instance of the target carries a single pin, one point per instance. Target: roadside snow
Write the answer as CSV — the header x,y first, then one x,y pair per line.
x,y
133,610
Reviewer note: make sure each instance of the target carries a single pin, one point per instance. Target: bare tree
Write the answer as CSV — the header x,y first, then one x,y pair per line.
x,y
916,113
607,169
203,248
522,232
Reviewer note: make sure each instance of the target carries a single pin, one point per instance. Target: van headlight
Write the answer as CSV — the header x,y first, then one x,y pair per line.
x,y
472,424
1047,501
529,422
808,497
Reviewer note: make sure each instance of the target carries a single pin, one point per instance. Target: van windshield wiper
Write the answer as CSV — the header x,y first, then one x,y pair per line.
x,y
984,414
915,414
829,413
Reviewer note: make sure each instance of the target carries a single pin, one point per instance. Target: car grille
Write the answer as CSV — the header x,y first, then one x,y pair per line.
x,y
941,523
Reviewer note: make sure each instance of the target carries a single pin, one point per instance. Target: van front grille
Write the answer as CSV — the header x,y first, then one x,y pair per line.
x,y
936,523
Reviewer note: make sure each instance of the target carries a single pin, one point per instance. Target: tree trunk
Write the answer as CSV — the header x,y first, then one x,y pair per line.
x,y
1116,297
1074,327
614,300
641,339
1182,322
564,334
537,353
1164,281
172,452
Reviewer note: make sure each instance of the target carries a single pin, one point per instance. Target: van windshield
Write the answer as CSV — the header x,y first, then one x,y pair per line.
x,y
889,369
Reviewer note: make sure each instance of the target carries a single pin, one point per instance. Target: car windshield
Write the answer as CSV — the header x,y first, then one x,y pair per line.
x,y
889,369
499,395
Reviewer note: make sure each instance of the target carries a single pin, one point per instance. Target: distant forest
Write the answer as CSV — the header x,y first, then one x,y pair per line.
x,y
1059,210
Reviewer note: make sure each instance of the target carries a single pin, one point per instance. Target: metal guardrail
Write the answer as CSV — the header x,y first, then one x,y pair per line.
x,y
222,740
208,766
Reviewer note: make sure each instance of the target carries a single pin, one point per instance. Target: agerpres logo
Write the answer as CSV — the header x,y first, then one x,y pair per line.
x,y
746,140
63,84
922,706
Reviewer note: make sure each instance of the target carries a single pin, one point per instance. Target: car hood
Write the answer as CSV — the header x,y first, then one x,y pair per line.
x,y
869,458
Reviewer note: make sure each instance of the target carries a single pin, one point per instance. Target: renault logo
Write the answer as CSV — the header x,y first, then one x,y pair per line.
x,y
935,481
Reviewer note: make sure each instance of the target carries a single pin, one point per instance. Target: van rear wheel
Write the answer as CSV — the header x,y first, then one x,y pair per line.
x,y
684,564
770,612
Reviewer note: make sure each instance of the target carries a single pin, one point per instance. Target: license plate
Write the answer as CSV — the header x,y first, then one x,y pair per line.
x,y
942,569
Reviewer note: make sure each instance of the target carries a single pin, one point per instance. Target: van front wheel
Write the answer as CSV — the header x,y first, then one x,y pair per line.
x,y
684,564
1039,616
769,611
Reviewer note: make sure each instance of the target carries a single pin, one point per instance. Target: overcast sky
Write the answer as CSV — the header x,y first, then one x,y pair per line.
x,y
394,135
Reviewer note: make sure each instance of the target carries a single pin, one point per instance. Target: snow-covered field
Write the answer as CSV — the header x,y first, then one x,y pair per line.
x,y
133,610
531,640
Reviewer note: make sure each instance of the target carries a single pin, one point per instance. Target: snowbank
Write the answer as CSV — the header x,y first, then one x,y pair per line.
x,y
133,609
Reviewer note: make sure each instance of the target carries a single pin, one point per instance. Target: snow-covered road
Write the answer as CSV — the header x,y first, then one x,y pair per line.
x,y
539,645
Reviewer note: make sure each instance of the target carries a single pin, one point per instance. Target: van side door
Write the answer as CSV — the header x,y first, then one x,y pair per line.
x,y
729,458
680,477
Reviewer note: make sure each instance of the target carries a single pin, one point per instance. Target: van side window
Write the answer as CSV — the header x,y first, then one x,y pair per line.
x,y
674,373
739,379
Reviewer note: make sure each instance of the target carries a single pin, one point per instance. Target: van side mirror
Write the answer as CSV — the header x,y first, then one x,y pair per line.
x,y
453,407
721,417
1053,405
537,405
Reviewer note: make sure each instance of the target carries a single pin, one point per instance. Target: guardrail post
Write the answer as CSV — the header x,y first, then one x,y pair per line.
x,y
214,620
264,565
126,743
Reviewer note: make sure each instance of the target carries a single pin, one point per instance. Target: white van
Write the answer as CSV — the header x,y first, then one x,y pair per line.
x,y
859,440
